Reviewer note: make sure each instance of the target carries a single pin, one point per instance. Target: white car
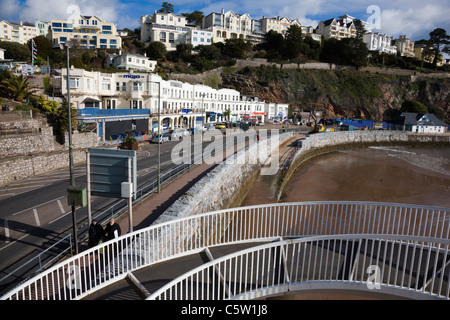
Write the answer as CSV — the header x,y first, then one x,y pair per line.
x,y
161,139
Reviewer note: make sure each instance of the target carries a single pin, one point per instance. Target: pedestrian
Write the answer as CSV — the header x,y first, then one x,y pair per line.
x,y
95,233
112,230
257,137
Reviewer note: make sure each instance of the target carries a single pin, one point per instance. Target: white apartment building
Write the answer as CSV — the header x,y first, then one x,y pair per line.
x,y
180,103
130,61
337,28
230,25
276,111
405,46
43,27
168,28
198,37
17,32
87,32
380,42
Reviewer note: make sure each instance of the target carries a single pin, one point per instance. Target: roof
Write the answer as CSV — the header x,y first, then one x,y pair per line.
x,y
428,119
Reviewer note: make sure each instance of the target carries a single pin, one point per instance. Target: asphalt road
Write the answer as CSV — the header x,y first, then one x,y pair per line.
x,y
34,214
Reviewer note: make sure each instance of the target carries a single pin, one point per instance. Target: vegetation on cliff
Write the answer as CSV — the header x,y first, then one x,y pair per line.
x,y
342,92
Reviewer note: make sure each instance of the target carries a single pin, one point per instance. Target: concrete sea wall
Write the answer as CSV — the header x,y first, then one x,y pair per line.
x,y
219,188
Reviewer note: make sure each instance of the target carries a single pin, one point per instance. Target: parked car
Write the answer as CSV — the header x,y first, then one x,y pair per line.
x,y
221,126
164,137
178,134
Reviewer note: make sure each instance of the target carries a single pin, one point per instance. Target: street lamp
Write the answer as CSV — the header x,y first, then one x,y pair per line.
x,y
71,190
159,133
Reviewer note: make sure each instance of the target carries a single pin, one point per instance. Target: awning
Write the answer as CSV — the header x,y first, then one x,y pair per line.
x,y
90,100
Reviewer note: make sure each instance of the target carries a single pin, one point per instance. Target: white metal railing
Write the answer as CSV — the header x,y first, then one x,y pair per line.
x,y
98,267
400,265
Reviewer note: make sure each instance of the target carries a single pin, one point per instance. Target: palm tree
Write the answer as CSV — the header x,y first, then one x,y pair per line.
x,y
17,87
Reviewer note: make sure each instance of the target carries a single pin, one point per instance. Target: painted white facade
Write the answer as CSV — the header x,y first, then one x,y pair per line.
x,y
429,124
198,37
405,46
277,111
230,25
175,99
131,61
168,28
379,42
17,32
337,28
87,32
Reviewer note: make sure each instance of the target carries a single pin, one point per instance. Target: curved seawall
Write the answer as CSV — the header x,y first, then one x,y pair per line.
x,y
331,141
225,184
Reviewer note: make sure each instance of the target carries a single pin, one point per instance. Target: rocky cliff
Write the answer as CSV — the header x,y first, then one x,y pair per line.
x,y
343,93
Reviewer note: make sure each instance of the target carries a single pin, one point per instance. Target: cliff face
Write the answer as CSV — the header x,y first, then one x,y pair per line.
x,y
342,93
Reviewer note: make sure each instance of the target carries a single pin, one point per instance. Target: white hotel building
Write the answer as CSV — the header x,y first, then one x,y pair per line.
x,y
131,96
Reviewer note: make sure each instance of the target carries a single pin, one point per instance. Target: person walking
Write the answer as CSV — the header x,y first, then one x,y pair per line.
x,y
112,230
95,233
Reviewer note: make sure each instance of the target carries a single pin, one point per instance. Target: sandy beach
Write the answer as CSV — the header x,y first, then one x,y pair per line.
x,y
397,174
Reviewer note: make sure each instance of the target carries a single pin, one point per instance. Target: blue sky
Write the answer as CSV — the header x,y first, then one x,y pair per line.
x,y
415,18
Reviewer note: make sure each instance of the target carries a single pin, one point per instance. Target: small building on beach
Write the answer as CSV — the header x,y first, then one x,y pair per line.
x,y
424,123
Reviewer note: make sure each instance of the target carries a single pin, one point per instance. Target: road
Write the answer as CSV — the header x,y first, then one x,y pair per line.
x,y
34,214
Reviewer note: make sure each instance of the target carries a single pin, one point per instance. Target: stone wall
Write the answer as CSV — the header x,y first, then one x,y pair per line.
x,y
27,143
24,156
22,167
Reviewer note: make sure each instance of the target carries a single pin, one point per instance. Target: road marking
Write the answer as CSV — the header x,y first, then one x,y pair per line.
x,y
39,205
36,217
6,231
11,243
60,217
60,206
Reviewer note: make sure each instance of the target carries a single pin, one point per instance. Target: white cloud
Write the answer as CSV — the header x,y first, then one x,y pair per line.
x,y
9,9
415,22
64,9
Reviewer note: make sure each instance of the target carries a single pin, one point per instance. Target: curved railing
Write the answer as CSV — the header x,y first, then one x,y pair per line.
x,y
98,267
405,266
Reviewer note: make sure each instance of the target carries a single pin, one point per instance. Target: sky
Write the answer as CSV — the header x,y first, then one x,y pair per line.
x,y
413,18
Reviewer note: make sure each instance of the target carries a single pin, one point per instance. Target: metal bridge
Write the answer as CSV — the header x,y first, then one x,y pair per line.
x,y
394,249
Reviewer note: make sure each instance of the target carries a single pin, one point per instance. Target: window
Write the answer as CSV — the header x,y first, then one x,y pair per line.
x,y
74,83
113,41
137,86
103,41
117,86
106,85
56,25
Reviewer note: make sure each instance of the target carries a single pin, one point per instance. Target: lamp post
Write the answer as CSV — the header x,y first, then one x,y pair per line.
x,y
159,133
72,178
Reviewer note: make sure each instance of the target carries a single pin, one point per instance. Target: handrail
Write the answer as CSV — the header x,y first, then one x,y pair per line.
x,y
102,265
322,262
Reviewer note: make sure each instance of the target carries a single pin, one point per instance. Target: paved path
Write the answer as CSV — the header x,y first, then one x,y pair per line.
x,y
146,212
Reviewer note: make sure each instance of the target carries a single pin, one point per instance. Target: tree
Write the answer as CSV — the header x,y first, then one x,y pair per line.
x,y
413,106
427,51
441,43
156,50
167,7
293,42
236,48
16,51
17,87
348,51
360,29
195,17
